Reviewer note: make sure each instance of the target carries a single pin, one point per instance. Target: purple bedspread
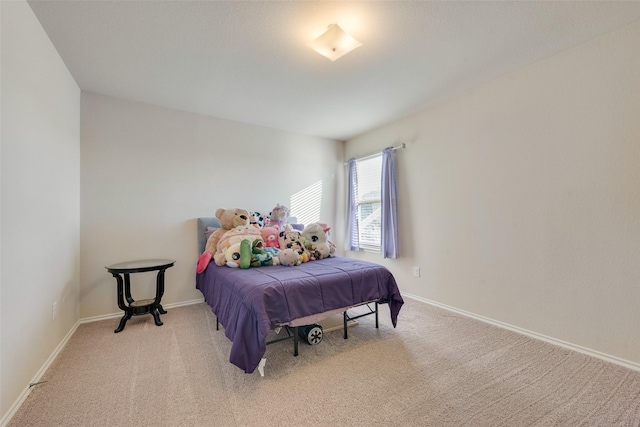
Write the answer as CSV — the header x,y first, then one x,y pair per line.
x,y
250,302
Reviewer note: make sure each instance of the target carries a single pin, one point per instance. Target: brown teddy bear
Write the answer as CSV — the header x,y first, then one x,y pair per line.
x,y
228,218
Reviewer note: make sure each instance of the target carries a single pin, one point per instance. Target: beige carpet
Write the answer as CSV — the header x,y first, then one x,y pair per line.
x,y
436,369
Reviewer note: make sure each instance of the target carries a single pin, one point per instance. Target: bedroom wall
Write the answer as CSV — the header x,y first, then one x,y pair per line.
x,y
40,190
520,199
149,172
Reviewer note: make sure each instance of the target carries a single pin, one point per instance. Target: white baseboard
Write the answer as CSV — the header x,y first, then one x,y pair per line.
x,y
25,393
119,314
589,352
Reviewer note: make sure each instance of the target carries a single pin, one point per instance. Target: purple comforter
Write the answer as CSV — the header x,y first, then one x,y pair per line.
x,y
250,302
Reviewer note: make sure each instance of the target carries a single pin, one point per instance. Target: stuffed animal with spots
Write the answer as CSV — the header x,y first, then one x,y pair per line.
x,y
292,239
289,258
256,219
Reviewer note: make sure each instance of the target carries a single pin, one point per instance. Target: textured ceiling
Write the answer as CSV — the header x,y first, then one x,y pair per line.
x,y
248,61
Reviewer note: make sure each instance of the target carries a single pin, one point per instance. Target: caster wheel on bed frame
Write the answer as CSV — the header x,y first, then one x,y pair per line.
x,y
312,334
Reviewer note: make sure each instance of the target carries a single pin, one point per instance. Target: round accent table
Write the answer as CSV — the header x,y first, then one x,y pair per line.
x,y
144,306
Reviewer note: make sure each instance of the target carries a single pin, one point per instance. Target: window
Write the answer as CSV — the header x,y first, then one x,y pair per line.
x,y
372,204
367,197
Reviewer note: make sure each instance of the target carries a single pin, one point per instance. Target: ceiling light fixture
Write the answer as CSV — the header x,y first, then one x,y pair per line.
x,y
334,43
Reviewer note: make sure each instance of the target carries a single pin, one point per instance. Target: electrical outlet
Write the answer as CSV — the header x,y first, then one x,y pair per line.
x,y
416,271
54,310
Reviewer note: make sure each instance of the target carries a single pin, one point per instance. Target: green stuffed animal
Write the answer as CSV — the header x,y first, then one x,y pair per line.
x,y
248,253
238,255
230,238
259,256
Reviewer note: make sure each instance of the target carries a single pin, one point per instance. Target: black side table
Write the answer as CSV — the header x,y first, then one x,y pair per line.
x,y
145,306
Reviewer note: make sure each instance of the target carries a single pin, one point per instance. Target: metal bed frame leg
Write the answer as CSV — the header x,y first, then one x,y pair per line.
x,y
346,317
376,314
292,332
217,324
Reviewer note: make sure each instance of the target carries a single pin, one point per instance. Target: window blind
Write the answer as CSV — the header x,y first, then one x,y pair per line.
x,y
368,201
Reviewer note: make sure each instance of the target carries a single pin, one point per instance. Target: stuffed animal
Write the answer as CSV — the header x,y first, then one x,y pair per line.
x,y
260,257
315,240
270,236
228,218
274,252
289,257
256,219
292,239
278,216
289,239
247,254
238,254
233,236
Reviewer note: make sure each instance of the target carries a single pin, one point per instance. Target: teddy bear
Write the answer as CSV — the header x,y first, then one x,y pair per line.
x,y
270,236
315,240
278,216
228,218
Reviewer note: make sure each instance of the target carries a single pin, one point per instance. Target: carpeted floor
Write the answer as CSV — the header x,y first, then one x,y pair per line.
x,y
436,369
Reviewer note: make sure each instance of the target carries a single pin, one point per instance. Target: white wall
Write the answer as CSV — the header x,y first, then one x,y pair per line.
x,y
520,199
40,222
149,172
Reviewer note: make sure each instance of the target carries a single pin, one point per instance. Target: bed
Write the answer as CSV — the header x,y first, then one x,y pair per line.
x,y
250,303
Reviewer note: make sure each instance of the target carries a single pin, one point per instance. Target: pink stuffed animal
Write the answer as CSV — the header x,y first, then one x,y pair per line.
x,y
270,236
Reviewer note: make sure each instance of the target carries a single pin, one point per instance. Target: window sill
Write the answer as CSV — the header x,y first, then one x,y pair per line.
x,y
370,249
